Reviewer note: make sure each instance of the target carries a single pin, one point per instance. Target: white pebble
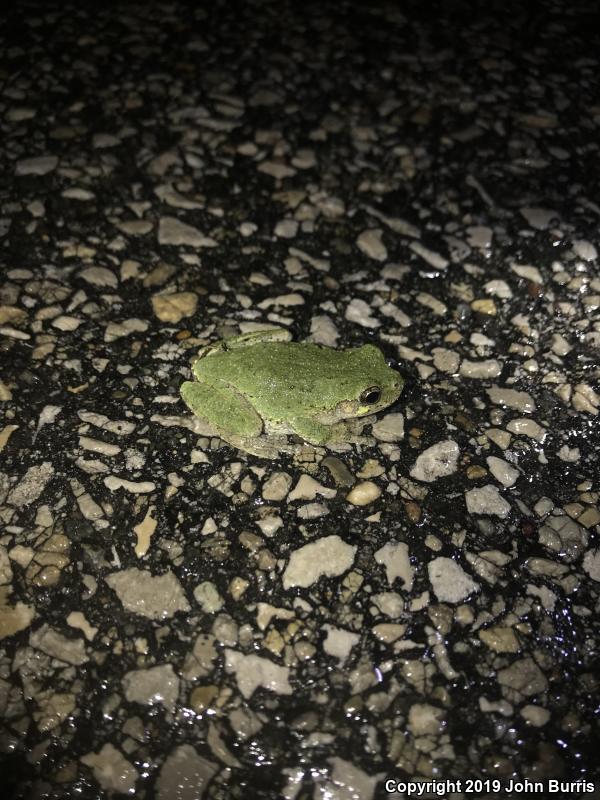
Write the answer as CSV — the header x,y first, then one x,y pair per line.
x,y
39,165
390,428
528,272
99,276
569,454
65,323
394,557
286,228
339,642
434,259
502,470
437,461
360,312
585,250
450,582
432,303
499,289
480,369
370,243
363,493
520,401
487,500
329,556
539,218
527,427
445,360
140,487
308,488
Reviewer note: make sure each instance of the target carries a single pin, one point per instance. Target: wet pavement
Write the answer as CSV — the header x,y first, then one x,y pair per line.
x,y
179,619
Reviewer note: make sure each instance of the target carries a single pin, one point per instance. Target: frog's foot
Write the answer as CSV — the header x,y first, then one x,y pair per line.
x,y
344,447
351,431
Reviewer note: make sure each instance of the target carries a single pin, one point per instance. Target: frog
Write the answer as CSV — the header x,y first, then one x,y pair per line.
x,y
265,394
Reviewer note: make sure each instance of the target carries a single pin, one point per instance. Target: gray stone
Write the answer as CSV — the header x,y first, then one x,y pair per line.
x,y
184,775
154,686
171,231
155,597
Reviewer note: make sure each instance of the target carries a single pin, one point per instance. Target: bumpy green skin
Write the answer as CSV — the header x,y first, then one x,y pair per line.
x,y
252,388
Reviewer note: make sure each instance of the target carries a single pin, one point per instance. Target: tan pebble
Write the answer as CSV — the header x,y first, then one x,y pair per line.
x,y
266,560
57,543
371,469
6,433
49,576
237,587
159,275
77,389
274,641
174,307
202,698
363,493
21,554
48,558
453,336
144,531
15,618
304,650
42,351
12,315
413,511
500,639
484,306
388,632
474,472
591,516
339,471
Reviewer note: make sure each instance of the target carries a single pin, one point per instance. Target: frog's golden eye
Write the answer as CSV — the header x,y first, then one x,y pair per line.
x,y
371,395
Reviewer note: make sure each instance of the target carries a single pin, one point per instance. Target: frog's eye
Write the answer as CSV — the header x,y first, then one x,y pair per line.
x,y
371,395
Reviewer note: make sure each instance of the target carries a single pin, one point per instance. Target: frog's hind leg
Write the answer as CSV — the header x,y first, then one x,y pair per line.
x,y
257,337
244,340
223,409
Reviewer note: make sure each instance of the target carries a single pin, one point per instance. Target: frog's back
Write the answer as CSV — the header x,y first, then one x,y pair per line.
x,y
276,371
275,361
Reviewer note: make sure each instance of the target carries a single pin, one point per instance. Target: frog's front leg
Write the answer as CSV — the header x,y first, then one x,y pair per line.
x,y
224,409
317,433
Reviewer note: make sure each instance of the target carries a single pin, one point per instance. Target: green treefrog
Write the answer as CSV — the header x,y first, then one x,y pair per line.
x,y
255,389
